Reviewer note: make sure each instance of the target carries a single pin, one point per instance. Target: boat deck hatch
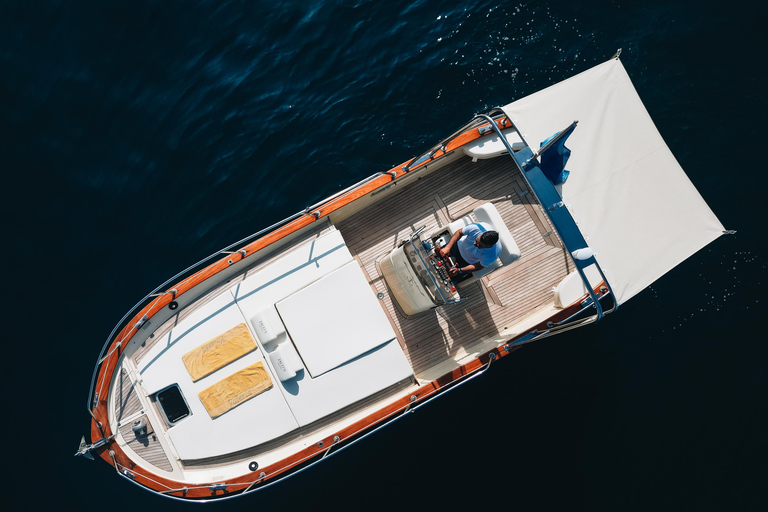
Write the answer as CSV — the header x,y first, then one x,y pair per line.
x,y
173,404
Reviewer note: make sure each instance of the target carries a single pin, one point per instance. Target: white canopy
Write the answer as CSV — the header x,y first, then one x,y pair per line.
x,y
636,207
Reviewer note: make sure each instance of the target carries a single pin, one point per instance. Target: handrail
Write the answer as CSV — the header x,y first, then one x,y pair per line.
x,y
408,408
156,293
565,325
442,145
459,382
583,276
320,455
491,117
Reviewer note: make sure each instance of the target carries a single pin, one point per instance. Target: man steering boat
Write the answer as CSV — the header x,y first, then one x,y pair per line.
x,y
472,247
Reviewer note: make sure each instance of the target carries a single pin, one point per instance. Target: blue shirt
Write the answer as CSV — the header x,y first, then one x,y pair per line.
x,y
473,254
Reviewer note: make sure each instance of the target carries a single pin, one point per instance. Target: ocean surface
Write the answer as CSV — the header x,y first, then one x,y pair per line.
x,y
137,137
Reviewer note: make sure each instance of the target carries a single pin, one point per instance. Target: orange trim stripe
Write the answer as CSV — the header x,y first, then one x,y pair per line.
x,y
162,484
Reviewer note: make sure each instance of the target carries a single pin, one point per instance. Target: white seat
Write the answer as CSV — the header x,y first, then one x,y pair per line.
x,y
572,288
267,326
285,361
487,213
492,146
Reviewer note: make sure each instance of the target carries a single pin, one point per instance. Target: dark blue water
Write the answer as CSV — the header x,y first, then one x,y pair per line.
x,y
137,137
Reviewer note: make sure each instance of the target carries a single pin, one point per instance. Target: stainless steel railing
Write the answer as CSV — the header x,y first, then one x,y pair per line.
x,y
491,120
477,121
442,145
355,437
194,269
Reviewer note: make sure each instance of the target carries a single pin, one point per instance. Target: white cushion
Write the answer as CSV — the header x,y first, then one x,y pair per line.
x,y
492,146
509,250
572,288
460,224
241,427
285,361
267,330
311,398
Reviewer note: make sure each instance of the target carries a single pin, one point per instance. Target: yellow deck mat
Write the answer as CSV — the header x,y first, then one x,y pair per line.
x,y
235,389
218,352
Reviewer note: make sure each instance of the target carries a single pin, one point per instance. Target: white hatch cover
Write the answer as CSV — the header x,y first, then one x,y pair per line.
x,y
335,319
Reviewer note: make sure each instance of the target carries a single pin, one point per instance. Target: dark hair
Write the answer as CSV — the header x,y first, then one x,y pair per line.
x,y
489,238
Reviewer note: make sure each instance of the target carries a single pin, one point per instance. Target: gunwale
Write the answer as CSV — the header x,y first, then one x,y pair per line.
x,y
100,426
125,335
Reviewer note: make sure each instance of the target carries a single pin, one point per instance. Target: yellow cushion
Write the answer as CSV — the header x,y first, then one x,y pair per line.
x,y
235,389
218,352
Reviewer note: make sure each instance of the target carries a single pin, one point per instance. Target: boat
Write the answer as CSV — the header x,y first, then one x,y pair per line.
x,y
291,345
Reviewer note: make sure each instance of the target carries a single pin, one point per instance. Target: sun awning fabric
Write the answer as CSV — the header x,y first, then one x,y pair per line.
x,y
633,202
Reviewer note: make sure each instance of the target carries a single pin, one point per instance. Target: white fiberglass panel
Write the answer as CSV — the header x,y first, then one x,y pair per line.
x,y
367,367
198,436
335,320
293,271
313,398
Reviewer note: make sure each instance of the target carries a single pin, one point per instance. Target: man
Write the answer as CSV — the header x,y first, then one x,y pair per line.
x,y
472,247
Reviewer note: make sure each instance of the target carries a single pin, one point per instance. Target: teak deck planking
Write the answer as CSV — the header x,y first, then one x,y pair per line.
x,y
435,201
503,297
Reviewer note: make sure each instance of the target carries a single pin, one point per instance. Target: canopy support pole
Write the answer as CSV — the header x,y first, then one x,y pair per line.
x,y
553,206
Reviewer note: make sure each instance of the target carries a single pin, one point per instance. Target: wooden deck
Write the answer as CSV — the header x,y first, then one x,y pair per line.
x,y
128,409
489,306
500,299
430,339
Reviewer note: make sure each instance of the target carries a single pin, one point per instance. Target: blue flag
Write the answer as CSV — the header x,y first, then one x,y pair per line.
x,y
554,158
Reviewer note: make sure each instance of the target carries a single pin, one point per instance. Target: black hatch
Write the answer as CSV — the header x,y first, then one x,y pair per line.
x,y
172,403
